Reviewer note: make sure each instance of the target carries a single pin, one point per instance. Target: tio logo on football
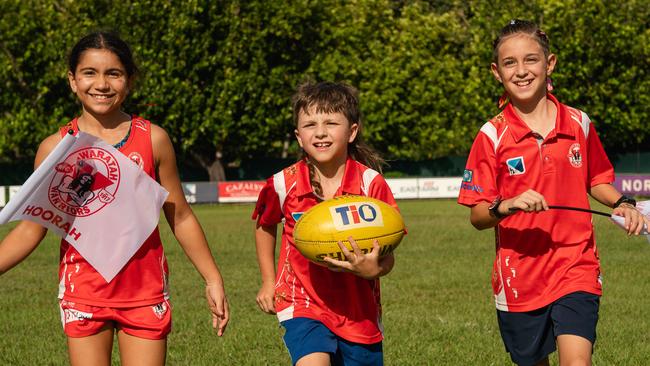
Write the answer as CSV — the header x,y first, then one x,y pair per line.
x,y
356,215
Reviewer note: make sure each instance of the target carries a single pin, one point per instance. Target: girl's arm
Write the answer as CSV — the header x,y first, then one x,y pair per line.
x,y
20,243
187,230
608,196
482,217
605,194
26,236
265,246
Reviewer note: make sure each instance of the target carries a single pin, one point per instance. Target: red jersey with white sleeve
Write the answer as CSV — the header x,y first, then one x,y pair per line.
x,y
143,280
346,304
541,256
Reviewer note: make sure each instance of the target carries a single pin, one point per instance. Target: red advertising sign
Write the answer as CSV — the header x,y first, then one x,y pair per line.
x,y
240,191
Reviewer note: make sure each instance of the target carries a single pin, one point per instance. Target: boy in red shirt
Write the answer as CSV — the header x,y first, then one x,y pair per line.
x,y
330,317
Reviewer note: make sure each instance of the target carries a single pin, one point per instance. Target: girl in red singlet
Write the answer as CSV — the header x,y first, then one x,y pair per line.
x,y
134,305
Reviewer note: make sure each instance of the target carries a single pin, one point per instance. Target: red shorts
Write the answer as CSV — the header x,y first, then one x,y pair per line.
x,y
149,322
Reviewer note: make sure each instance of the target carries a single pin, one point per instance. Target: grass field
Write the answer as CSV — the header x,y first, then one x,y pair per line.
x,y
438,307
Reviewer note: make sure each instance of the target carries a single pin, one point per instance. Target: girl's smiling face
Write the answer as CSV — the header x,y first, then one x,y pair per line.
x,y
100,81
522,68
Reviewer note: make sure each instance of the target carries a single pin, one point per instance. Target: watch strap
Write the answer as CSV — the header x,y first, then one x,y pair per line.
x,y
625,199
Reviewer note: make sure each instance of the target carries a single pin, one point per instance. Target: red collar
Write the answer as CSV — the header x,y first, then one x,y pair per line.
x,y
520,129
349,183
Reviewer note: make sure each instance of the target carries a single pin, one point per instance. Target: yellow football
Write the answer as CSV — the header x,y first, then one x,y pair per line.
x,y
365,219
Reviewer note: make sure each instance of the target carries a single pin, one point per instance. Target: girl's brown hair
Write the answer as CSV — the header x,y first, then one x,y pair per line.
x,y
517,26
103,40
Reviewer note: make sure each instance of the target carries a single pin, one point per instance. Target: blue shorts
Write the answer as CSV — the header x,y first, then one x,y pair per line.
x,y
529,337
304,336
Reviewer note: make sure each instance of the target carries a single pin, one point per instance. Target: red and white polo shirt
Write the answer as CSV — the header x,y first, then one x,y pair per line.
x,y
539,256
346,304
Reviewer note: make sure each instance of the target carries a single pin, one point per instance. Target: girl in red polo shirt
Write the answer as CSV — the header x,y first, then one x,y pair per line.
x,y
330,317
536,152
134,305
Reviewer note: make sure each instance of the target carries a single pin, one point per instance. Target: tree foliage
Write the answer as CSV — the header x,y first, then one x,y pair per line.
x,y
218,75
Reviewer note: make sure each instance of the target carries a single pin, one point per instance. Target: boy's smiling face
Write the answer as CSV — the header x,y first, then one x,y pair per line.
x,y
325,136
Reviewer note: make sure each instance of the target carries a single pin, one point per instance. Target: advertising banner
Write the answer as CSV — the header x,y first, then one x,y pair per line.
x,y
633,184
438,187
403,188
200,192
240,191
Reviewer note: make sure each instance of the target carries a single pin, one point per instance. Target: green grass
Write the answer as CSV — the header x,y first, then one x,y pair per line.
x,y
438,307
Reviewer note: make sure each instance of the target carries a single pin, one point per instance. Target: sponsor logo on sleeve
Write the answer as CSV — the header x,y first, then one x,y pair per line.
x,y
467,175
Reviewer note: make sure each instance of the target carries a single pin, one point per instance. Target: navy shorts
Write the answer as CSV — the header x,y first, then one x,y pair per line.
x,y
529,337
304,336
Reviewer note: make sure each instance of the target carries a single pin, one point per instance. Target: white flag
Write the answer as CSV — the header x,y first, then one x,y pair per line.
x,y
94,197
644,207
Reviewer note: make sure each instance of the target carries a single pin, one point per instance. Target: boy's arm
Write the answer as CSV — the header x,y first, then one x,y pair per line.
x,y
608,196
187,230
265,246
369,266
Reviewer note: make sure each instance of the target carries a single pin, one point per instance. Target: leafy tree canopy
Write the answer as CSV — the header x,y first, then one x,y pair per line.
x,y
218,75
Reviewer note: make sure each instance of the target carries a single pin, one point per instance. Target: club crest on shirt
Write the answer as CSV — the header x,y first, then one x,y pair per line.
x,y
296,215
516,165
574,155
85,182
137,158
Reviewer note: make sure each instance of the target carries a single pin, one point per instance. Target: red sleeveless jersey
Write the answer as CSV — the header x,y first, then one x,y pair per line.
x,y
143,280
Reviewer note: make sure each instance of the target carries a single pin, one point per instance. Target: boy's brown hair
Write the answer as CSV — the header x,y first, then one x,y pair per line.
x,y
331,97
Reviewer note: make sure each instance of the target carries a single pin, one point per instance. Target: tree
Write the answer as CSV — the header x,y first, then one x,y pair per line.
x,y
218,75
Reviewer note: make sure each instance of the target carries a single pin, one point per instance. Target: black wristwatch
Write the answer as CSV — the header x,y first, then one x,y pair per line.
x,y
494,207
625,199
